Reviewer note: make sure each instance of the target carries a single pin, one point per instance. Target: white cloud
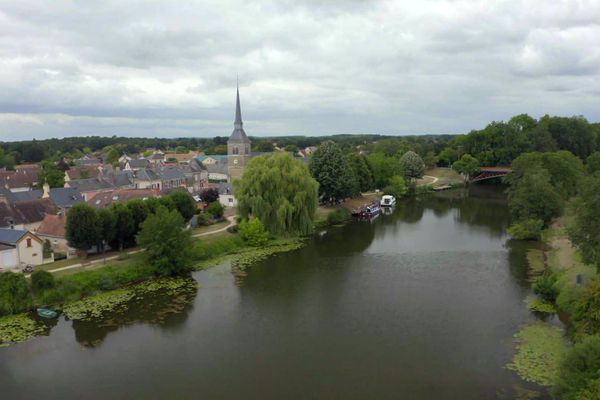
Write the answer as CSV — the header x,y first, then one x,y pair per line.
x,y
306,67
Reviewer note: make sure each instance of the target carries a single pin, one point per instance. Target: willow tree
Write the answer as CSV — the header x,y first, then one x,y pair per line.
x,y
278,190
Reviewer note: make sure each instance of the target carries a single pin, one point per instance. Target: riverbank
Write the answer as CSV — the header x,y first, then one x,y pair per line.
x,y
112,284
540,355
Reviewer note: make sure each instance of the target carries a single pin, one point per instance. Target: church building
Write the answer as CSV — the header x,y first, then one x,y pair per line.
x,y
238,145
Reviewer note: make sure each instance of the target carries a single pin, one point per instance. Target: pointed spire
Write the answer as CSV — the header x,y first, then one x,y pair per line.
x,y
238,134
238,111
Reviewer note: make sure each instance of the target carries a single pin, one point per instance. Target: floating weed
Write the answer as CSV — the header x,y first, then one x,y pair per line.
x,y
540,349
253,256
18,328
94,306
117,300
536,304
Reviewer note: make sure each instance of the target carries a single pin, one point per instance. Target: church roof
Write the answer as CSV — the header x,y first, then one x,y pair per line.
x,y
238,134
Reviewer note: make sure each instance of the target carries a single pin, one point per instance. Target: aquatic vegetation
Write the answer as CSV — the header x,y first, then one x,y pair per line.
x,y
248,258
540,305
18,328
540,350
94,306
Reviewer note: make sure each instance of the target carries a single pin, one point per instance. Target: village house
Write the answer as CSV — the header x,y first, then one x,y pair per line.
x,y
107,199
20,180
180,158
137,164
53,229
19,248
27,214
171,178
81,172
146,179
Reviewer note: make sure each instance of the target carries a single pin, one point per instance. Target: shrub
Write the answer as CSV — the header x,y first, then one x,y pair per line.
x,y
396,187
216,209
47,249
14,293
545,287
212,248
42,280
253,231
586,317
579,375
203,219
530,229
339,216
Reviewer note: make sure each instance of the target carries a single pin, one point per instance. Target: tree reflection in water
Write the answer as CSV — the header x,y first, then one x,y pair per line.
x,y
167,309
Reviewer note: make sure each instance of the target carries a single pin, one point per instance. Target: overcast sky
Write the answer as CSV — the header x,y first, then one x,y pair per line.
x,y
311,67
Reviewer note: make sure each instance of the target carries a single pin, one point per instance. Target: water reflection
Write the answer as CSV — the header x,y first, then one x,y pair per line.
x,y
166,309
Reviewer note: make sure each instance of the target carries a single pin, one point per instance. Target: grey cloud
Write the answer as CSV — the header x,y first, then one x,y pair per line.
x,y
168,69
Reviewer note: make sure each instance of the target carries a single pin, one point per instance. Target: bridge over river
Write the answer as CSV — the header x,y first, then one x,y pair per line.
x,y
486,173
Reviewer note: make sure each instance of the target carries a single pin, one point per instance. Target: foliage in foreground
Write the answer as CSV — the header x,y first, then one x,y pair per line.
x,y
586,318
580,371
14,293
585,231
278,190
545,287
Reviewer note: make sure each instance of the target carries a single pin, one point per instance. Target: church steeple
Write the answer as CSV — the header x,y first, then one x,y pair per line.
x,y
238,134
238,124
238,145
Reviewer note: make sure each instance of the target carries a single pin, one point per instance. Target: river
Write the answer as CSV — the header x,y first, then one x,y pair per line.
x,y
420,304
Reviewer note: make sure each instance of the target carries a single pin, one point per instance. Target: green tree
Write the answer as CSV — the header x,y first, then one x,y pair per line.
x,y
107,226
139,212
82,227
467,165
278,190
184,203
330,168
412,165
448,156
42,280
215,209
585,230
51,174
397,187
579,373
530,229
168,244
124,225
6,160
111,155
362,170
253,231
383,168
533,197
15,296
593,163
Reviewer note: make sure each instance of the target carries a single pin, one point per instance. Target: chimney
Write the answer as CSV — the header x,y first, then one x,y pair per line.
x,y
46,188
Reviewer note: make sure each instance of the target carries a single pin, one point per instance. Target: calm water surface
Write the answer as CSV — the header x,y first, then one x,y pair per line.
x,y
421,304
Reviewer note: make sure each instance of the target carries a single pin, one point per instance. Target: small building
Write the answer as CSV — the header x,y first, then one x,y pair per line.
x,y
107,199
19,248
53,229
137,164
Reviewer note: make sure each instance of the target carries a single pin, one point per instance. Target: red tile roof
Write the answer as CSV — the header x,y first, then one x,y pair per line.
x,y
53,225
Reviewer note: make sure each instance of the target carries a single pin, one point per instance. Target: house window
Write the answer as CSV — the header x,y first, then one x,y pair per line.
x,y
28,242
235,150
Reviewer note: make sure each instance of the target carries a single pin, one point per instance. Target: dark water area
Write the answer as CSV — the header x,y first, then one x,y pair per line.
x,y
419,304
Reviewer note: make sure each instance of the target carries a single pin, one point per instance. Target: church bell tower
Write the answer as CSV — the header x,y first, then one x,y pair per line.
x,y
238,145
